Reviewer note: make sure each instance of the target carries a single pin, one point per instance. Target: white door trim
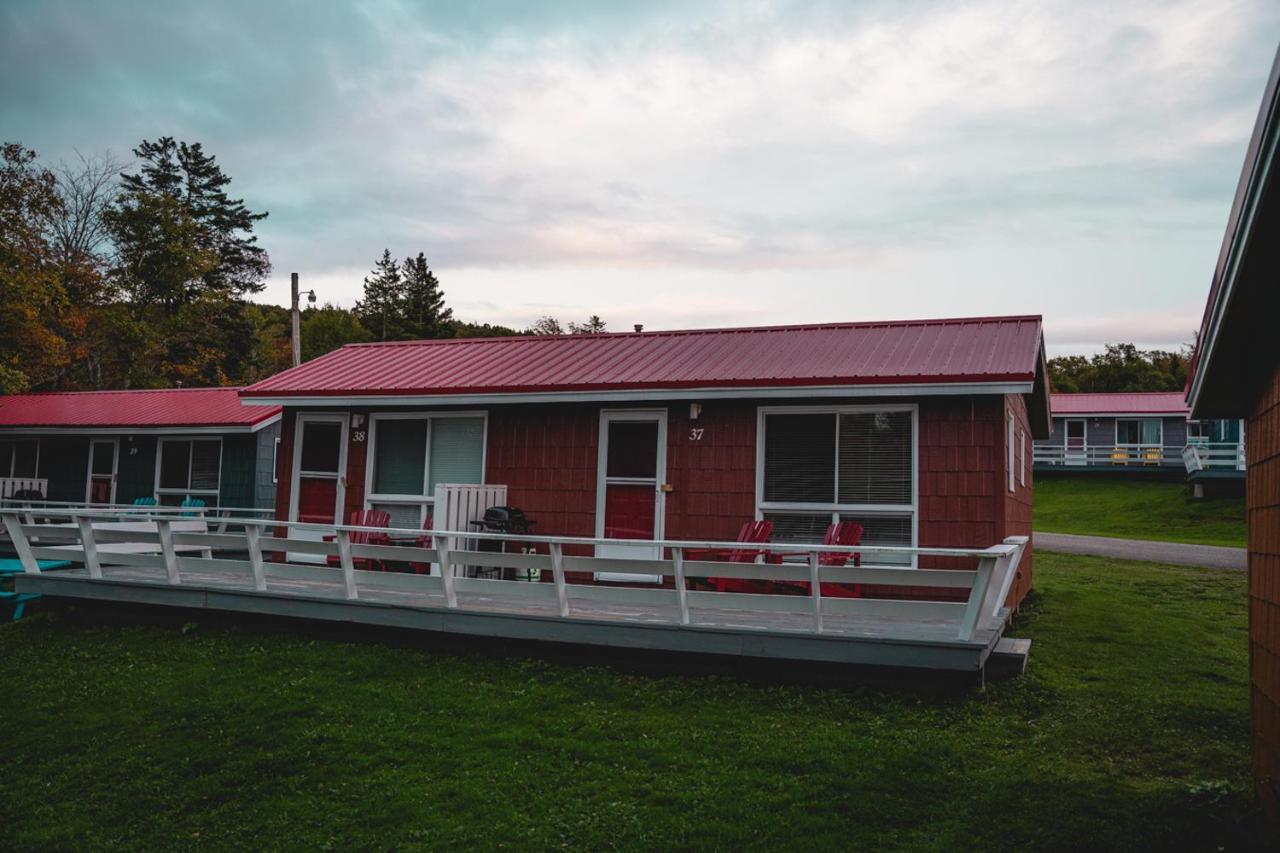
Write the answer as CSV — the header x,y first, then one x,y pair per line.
x,y
1070,456
115,468
342,419
639,550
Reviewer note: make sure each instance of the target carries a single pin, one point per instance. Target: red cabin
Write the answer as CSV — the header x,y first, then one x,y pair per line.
x,y
919,431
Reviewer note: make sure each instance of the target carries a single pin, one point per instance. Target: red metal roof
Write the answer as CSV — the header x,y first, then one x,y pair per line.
x,y
1128,403
987,349
143,409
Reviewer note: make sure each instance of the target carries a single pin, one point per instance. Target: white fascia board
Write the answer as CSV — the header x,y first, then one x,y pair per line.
x,y
651,395
175,430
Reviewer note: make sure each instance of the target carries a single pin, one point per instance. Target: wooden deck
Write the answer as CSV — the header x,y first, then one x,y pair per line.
x,y
864,631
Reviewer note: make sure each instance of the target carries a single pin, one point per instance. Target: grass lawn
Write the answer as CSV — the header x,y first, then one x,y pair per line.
x,y
1143,509
1129,731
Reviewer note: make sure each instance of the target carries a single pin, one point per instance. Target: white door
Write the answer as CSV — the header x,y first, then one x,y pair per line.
x,y
630,501
104,457
318,486
1077,448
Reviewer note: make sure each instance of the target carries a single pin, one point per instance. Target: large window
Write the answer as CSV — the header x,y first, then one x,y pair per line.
x,y
1139,431
1198,432
820,466
19,457
413,454
188,468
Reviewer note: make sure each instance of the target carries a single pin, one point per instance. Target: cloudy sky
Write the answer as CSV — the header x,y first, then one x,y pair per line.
x,y
693,164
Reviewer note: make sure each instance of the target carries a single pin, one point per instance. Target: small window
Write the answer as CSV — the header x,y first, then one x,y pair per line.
x,y
188,468
411,456
1143,431
19,457
1012,460
1022,467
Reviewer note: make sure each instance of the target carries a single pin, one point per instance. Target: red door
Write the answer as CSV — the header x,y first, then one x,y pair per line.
x,y
630,497
319,462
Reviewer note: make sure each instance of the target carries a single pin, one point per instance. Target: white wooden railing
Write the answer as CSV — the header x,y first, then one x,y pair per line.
x,y
1108,456
10,486
80,534
1213,456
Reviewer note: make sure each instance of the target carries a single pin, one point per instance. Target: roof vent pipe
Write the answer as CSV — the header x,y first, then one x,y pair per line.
x,y
639,327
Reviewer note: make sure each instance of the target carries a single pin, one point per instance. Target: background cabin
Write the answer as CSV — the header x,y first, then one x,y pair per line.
x,y
114,447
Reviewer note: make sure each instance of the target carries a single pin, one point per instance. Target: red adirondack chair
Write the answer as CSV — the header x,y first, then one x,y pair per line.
x,y
365,518
752,532
843,533
424,541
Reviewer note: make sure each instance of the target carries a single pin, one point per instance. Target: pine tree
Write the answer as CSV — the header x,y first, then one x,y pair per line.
x,y
224,226
425,314
382,309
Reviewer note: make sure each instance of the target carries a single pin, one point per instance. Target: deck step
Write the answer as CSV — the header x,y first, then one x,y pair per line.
x,y
1008,658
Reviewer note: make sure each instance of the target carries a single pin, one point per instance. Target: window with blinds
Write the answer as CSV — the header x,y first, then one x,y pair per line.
x,y
189,468
850,464
411,456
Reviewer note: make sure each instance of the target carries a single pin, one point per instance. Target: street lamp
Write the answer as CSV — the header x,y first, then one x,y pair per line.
x,y
295,333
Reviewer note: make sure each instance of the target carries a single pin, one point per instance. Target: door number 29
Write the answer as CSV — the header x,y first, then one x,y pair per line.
x,y
695,434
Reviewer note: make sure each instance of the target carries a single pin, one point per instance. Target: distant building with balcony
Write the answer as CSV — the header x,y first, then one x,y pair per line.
x,y
1140,434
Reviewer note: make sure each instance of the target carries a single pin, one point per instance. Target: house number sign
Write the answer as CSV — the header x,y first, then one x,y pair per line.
x,y
695,434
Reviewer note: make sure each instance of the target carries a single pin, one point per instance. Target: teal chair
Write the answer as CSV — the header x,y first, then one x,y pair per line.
x,y
192,503
146,500
10,567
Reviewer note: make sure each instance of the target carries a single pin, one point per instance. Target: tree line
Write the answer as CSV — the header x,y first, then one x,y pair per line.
x,y
140,276
1121,367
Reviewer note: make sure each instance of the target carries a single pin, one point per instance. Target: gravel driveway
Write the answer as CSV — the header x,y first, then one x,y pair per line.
x,y
1211,556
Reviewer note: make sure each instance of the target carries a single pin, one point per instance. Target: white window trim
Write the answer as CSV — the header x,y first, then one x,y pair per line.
x,y
275,461
423,502
1022,467
12,466
1158,443
188,492
1012,458
837,509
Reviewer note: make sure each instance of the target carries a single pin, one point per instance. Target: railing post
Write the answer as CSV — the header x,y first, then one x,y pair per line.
x,y
815,591
90,547
167,551
977,595
13,527
348,565
557,575
253,542
446,570
682,594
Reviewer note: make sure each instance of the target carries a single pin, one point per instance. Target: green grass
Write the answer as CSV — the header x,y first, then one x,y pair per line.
x,y
1130,730
1141,509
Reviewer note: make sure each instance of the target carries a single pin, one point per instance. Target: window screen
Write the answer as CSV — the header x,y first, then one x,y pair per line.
x,y
457,451
206,457
890,530
798,527
1145,431
25,454
174,458
321,446
400,457
875,458
800,458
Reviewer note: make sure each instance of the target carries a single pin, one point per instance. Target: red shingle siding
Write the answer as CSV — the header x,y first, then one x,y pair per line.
x,y
546,456
1262,438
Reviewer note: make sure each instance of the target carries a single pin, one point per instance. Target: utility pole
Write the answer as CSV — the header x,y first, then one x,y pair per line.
x,y
295,332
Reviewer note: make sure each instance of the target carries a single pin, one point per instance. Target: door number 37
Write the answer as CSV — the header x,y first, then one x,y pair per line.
x,y
695,434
